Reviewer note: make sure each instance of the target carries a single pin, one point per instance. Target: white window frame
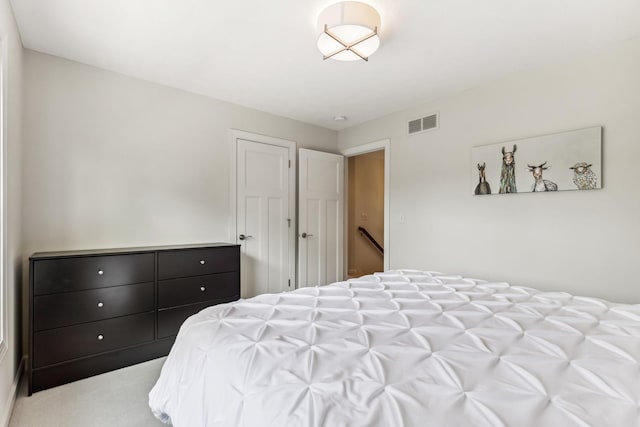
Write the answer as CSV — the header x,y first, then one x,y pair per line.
x,y
4,321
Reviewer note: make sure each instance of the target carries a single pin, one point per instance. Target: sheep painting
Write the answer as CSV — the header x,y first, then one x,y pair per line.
x,y
483,186
508,174
541,184
583,177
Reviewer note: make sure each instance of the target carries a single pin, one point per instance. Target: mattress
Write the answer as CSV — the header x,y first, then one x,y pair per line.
x,y
405,348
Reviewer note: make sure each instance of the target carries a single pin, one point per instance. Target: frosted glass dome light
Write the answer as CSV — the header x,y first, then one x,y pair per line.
x,y
348,31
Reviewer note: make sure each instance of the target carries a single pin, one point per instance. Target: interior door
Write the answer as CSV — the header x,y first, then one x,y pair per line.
x,y
262,216
321,218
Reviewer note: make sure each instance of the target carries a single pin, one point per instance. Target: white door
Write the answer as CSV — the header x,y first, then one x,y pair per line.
x,y
320,209
262,217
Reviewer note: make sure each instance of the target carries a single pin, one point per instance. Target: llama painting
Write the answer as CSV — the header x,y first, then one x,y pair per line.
x,y
541,184
483,186
563,161
508,174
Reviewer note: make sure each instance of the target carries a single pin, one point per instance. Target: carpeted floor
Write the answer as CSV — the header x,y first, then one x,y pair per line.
x,y
114,399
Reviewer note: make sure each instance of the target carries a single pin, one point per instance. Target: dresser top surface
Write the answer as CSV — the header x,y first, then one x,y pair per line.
x,y
133,250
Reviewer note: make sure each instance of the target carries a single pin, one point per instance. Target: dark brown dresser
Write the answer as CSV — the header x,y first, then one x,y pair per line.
x,y
99,310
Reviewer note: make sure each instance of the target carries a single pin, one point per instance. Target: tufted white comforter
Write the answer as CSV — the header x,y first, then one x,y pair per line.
x,y
405,348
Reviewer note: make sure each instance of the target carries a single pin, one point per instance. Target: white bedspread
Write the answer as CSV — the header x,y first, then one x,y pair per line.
x,y
405,348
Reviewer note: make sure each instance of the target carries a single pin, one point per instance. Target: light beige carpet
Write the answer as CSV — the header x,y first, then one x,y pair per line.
x,y
114,399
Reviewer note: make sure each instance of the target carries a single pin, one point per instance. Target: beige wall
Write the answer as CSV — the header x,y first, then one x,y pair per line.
x,y
581,242
366,209
115,161
11,279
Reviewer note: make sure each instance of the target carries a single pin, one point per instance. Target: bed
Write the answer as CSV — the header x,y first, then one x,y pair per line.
x,y
405,348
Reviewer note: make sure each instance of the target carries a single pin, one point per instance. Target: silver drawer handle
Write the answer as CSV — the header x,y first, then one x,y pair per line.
x,y
202,288
100,272
100,337
202,262
100,305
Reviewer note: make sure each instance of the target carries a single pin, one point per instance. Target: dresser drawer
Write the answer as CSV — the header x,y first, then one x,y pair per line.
x,y
70,308
57,345
191,290
170,320
193,262
74,274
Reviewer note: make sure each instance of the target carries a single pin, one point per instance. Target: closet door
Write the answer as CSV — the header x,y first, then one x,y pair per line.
x,y
321,218
262,218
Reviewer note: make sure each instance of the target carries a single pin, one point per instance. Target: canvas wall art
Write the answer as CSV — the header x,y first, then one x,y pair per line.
x,y
562,161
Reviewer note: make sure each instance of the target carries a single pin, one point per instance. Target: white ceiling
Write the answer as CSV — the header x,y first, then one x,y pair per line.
x,y
262,54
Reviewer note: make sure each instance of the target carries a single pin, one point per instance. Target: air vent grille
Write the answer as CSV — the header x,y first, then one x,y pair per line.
x,y
430,122
423,124
415,126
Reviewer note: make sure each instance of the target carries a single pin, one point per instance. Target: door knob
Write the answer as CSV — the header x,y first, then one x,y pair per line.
x,y
243,237
305,235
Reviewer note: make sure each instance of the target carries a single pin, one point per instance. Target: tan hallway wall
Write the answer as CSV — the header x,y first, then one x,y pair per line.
x,y
366,209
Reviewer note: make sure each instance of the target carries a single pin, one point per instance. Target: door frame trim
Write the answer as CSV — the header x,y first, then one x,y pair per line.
x,y
383,144
234,135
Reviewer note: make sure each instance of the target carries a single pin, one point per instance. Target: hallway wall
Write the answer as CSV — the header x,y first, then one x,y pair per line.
x,y
366,209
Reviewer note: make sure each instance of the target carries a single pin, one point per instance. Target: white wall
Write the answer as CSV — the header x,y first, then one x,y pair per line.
x,y
11,280
114,161
582,242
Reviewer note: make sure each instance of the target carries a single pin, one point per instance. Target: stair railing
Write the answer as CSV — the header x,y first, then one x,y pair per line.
x,y
364,233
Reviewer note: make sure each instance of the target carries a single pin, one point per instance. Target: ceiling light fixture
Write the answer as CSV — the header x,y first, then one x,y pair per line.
x,y
348,31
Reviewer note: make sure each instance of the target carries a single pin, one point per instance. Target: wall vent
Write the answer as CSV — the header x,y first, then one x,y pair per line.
x,y
423,124
415,126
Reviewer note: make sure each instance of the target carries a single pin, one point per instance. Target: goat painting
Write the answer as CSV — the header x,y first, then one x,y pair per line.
x,y
541,184
483,186
583,177
508,174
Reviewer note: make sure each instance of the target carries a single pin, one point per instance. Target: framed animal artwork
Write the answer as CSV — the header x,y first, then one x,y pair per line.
x,y
562,161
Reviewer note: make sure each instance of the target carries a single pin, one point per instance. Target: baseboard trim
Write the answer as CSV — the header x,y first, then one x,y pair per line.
x,y
13,393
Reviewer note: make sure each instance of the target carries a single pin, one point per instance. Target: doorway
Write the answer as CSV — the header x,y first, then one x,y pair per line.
x,y
365,218
367,240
